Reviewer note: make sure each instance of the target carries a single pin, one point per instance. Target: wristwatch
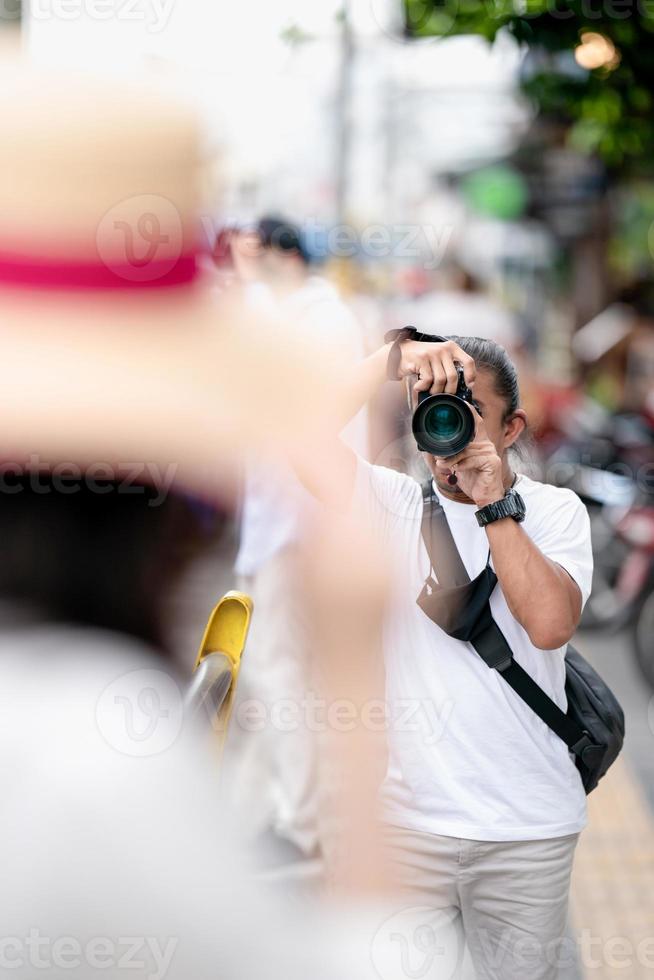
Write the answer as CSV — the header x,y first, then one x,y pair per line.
x,y
396,337
511,505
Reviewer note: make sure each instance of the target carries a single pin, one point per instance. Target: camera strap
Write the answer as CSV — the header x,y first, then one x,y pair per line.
x,y
487,639
439,541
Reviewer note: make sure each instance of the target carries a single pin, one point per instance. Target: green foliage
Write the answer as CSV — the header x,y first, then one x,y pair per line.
x,y
497,191
609,109
294,36
631,250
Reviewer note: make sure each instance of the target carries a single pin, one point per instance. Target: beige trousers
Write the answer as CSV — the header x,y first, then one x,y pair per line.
x,y
488,910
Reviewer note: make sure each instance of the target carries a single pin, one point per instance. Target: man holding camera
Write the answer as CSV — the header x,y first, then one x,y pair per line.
x,y
482,801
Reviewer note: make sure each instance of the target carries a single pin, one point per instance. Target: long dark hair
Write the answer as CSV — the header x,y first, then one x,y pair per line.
x,y
105,559
493,357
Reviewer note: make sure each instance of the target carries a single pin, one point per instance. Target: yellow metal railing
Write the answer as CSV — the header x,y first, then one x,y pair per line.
x,y
218,662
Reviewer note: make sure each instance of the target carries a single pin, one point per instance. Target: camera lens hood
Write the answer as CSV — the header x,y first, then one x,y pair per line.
x,y
442,424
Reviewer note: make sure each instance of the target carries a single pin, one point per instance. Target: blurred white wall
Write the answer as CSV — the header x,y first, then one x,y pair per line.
x,y
416,109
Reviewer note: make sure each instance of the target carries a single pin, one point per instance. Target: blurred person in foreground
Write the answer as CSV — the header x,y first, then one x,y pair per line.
x,y
482,802
272,771
116,851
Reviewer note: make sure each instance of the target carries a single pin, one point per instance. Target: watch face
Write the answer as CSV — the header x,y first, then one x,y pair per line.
x,y
517,504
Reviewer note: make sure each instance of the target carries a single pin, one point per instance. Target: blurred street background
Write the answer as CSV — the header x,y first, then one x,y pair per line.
x,y
465,167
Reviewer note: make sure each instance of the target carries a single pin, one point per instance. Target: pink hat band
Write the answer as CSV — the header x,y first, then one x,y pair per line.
x,y
50,273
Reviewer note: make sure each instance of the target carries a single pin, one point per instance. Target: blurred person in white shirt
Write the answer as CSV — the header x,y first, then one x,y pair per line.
x,y
118,853
273,773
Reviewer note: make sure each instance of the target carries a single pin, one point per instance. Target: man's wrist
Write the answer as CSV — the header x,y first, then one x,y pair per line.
x,y
490,498
395,338
492,493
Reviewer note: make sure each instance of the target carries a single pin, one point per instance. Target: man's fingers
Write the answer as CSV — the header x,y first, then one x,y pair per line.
x,y
426,374
480,426
472,451
451,375
426,378
439,377
466,362
475,462
437,368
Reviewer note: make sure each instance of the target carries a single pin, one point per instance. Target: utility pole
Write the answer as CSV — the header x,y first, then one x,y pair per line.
x,y
343,112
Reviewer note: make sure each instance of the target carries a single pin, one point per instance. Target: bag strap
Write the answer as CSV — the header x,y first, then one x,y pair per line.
x,y
439,541
488,640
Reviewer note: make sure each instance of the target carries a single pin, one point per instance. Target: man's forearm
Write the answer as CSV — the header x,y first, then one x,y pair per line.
x,y
540,594
433,364
365,379
330,478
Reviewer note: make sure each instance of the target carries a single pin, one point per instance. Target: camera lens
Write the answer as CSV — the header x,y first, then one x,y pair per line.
x,y
444,422
443,425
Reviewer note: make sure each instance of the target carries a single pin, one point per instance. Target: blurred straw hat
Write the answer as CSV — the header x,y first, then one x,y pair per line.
x,y
100,187
113,340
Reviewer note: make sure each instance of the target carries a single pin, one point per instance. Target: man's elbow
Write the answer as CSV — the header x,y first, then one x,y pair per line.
x,y
551,634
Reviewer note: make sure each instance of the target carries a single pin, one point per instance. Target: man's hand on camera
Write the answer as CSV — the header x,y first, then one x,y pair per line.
x,y
435,365
478,468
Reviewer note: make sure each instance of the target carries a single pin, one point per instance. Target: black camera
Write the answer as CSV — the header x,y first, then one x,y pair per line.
x,y
443,424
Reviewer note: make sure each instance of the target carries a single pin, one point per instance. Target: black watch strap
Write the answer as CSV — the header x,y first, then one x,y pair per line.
x,y
396,337
511,505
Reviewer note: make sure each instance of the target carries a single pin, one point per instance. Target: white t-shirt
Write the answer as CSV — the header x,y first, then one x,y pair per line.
x,y
467,757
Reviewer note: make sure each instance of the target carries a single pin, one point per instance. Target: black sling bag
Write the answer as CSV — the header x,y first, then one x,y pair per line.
x,y
593,727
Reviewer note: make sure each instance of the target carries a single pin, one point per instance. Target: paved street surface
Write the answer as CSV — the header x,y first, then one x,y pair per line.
x,y
612,656
613,885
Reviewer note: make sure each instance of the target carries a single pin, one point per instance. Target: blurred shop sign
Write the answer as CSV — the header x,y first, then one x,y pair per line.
x,y
566,191
603,332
